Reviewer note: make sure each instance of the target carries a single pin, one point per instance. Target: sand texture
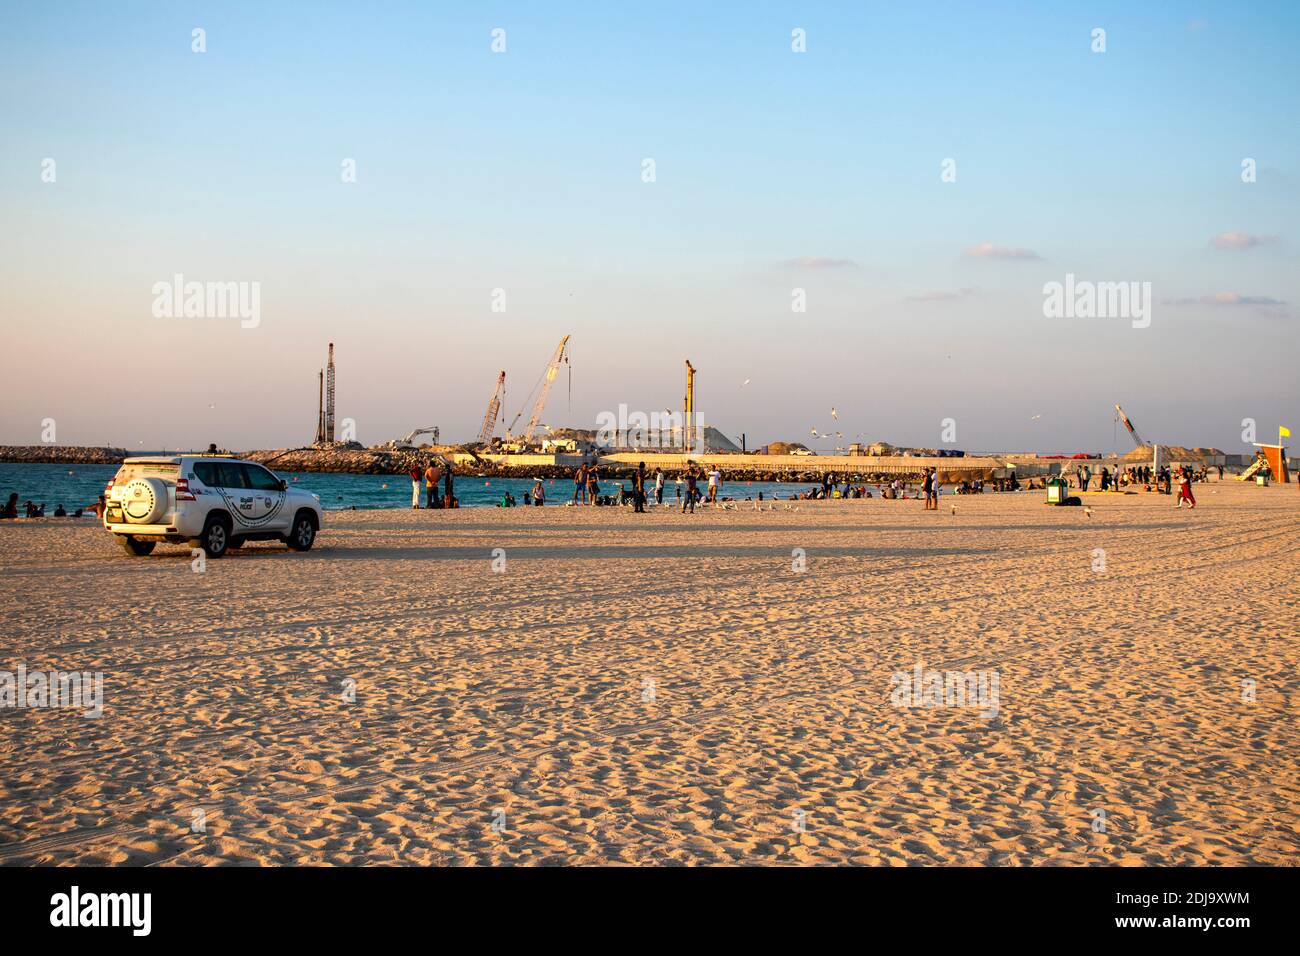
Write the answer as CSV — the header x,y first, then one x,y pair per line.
x,y
669,689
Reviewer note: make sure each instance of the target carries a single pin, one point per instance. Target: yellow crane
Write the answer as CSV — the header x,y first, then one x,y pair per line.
x,y
546,381
690,394
493,411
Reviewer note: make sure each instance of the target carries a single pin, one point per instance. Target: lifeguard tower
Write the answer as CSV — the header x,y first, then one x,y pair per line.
x,y
1275,456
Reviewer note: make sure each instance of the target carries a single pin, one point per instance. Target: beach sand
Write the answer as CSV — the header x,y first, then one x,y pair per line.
x,y
668,689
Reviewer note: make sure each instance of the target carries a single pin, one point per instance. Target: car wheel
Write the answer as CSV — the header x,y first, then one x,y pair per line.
x,y
137,548
215,538
303,533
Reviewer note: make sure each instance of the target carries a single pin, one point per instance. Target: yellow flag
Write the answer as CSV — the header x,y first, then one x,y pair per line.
x,y
1284,432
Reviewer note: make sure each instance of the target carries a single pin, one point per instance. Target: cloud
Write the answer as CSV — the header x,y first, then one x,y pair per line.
x,y
987,250
1239,240
818,262
942,296
1230,299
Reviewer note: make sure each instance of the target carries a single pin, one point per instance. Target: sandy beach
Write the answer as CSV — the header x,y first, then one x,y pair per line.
x,y
670,689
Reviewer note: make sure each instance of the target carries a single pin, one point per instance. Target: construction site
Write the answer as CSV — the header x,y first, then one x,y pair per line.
x,y
668,441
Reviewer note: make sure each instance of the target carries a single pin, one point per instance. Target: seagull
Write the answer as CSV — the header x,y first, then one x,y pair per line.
x,y
835,413
1087,512
814,433
1034,418
744,383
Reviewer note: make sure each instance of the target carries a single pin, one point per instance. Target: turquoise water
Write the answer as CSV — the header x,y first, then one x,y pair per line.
x,y
77,486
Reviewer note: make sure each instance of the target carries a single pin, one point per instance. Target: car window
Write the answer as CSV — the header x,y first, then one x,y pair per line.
x,y
167,470
230,475
260,479
206,472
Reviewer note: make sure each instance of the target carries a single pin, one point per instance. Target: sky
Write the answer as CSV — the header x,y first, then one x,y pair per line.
x,y
127,158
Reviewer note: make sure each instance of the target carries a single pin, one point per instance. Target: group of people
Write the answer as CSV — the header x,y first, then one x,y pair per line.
x,y
32,510
1160,480
930,489
433,474
696,485
536,497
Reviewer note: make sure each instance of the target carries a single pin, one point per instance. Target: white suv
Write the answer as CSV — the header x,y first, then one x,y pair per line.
x,y
212,503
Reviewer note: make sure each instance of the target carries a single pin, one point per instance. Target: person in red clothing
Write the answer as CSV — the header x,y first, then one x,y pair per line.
x,y
1185,489
415,486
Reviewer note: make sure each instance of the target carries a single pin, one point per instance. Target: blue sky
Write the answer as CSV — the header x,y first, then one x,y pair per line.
x,y
774,171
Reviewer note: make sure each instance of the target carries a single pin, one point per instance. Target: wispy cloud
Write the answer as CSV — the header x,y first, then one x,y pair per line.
x,y
817,262
942,296
1239,240
987,250
1230,299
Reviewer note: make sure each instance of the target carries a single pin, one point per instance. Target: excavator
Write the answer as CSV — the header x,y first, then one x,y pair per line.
x,y
409,440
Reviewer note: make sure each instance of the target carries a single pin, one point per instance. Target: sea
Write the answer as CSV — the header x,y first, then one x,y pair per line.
x,y
79,486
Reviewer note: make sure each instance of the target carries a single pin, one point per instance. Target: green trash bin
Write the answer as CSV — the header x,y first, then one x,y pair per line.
x,y
1058,489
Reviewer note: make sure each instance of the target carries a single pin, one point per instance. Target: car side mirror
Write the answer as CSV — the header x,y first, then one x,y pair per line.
x,y
284,485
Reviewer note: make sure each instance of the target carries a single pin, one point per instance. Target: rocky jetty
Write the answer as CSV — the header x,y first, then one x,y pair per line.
x,y
62,454
352,458
340,458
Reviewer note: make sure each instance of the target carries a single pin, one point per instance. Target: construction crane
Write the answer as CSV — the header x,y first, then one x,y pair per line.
x,y
493,411
688,417
325,410
1129,425
546,381
689,401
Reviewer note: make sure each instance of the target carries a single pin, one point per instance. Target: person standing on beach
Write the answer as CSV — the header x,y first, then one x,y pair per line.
x,y
1185,490
925,489
934,489
448,499
593,484
432,475
638,489
580,485
659,486
715,482
689,477
415,487
1084,477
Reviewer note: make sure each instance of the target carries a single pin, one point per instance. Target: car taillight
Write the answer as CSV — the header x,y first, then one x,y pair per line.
x,y
109,486
183,492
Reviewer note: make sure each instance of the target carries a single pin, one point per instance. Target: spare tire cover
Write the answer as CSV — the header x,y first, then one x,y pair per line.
x,y
144,500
